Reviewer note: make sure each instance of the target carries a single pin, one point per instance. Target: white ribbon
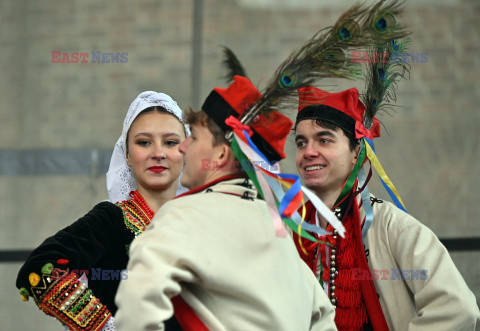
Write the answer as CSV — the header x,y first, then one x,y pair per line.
x,y
276,189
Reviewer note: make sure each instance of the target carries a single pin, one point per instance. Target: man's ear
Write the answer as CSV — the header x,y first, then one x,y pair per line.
x,y
357,152
225,155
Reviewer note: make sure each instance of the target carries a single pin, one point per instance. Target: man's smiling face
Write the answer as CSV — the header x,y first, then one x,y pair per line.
x,y
324,158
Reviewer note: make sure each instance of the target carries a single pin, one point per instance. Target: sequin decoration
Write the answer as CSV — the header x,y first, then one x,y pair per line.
x,y
34,279
47,269
24,294
64,297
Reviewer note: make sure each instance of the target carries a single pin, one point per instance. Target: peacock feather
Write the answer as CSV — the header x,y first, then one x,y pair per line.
x,y
385,69
383,23
328,54
232,64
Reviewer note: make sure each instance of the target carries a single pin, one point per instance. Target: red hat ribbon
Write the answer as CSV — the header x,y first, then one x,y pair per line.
x,y
235,124
361,131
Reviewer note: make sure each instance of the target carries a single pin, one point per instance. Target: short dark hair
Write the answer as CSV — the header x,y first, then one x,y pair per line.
x,y
352,142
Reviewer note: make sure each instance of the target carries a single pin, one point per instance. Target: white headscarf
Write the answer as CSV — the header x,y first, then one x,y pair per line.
x,y
120,179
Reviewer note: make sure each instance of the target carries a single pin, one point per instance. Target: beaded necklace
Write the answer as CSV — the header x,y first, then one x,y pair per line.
x,y
137,215
344,289
138,198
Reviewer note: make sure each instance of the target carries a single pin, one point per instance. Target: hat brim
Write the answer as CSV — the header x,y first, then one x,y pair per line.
x,y
327,113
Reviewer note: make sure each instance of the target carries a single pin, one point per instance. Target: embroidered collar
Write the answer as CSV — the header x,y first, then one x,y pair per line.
x,y
136,213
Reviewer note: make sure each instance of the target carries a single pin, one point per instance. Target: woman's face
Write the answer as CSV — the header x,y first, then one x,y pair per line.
x,y
153,152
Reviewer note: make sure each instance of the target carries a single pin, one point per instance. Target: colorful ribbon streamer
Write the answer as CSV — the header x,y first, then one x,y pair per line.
x,y
347,187
266,193
387,183
366,202
288,202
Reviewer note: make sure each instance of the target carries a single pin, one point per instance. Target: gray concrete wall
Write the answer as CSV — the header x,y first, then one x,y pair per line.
x,y
431,150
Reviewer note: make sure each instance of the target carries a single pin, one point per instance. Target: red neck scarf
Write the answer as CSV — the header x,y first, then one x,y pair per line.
x,y
355,299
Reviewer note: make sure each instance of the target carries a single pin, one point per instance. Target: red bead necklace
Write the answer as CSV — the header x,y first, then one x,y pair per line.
x,y
137,197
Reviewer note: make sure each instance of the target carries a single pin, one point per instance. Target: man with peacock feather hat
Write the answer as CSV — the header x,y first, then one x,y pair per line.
x,y
389,271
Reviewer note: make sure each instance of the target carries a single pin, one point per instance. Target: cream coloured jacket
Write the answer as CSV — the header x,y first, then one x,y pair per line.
x,y
220,253
418,285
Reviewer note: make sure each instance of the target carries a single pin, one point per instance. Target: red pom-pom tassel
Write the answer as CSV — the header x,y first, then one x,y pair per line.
x,y
62,261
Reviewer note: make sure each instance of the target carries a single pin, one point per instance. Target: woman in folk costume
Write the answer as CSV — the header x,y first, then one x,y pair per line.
x,y
389,271
143,174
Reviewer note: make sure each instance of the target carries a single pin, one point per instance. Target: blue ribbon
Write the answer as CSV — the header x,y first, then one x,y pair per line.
x,y
389,191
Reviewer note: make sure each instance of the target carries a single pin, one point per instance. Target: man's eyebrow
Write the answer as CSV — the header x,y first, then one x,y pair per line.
x,y
297,138
317,134
324,133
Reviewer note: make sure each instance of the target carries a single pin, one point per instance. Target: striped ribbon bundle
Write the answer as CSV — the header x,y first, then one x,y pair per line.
x,y
282,205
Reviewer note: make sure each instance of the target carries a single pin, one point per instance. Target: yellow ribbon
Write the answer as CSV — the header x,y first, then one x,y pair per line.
x,y
383,175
